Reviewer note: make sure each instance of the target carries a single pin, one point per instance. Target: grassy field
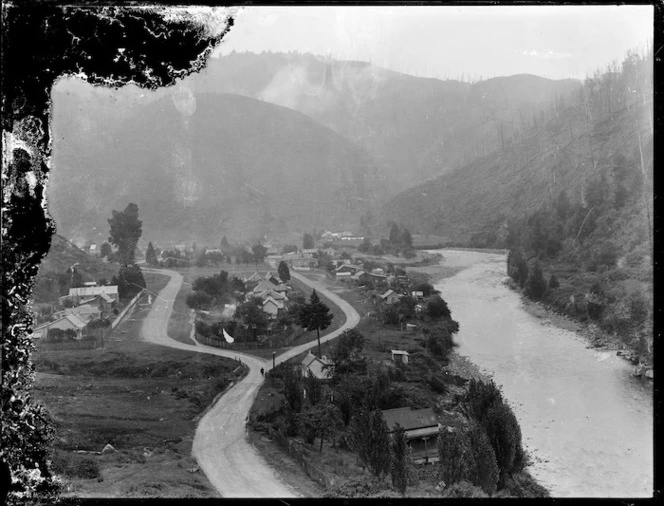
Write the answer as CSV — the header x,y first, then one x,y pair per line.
x,y
142,399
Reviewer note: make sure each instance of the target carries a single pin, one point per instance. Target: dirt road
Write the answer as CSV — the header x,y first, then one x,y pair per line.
x,y
220,444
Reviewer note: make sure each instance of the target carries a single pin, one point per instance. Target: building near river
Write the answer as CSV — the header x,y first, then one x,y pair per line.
x,y
421,427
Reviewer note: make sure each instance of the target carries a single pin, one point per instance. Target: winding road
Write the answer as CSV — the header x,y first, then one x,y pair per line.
x,y
220,445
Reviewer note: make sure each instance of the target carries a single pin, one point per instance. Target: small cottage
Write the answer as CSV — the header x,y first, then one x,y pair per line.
x,y
399,356
316,366
390,297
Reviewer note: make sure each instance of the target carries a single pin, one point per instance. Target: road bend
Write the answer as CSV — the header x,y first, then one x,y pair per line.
x,y
220,444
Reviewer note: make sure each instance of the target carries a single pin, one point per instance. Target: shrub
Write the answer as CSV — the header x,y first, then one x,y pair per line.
x,y
536,284
553,282
437,308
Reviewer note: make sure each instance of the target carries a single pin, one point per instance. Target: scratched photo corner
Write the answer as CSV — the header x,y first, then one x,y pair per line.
x,y
327,251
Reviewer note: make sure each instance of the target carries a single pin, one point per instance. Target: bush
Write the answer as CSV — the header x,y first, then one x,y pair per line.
x,y
536,284
437,308
553,282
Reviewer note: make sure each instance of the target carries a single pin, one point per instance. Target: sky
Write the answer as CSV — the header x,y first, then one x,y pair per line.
x,y
451,42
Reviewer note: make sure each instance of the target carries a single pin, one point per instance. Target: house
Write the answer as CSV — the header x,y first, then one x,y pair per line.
x,y
93,250
400,356
309,252
390,297
281,288
378,277
67,322
418,295
331,252
343,275
316,366
378,270
89,283
348,268
262,286
271,307
84,312
421,427
360,276
108,293
302,264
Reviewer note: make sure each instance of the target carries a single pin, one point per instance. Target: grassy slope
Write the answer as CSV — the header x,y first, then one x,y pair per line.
x,y
141,398
61,256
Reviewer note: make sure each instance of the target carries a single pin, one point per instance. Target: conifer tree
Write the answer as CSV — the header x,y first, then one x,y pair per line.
x,y
315,316
151,256
399,469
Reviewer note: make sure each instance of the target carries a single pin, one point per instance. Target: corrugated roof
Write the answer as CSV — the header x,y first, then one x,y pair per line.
x,y
86,291
410,419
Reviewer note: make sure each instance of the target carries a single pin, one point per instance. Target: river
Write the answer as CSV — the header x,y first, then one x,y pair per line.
x,y
586,422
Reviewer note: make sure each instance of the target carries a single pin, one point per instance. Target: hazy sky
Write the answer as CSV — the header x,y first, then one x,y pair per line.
x,y
446,42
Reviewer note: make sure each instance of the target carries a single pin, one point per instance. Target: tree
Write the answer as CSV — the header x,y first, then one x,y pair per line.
x,y
313,388
252,316
105,250
307,241
553,282
504,433
399,469
346,353
455,456
129,280
437,308
536,285
517,267
76,277
292,389
370,440
284,272
315,316
125,232
259,252
199,300
484,471
317,421
151,256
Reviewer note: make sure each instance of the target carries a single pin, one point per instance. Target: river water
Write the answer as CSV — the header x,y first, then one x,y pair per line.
x,y
586,422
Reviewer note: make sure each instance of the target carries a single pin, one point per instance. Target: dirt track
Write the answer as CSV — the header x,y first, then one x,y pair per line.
x,y
220,444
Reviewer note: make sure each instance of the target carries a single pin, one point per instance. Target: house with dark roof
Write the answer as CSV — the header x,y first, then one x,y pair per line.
x,y
421,427
390,297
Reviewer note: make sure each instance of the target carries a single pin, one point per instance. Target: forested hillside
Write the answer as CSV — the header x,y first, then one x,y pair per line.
x,y
204,166
575,197
417,127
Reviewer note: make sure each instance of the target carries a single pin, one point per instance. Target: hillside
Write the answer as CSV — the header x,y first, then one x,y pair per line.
x,y
575,197
61,256
204,166
418,127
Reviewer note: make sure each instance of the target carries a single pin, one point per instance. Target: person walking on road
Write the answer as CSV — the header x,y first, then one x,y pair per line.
x,y
262,371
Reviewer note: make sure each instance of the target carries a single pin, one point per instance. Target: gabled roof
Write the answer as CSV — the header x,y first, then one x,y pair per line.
x,y
86,291
388,293
399,352
410,419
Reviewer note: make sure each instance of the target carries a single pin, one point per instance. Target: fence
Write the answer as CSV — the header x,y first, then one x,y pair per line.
x,y
219,342
311,471
124,312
